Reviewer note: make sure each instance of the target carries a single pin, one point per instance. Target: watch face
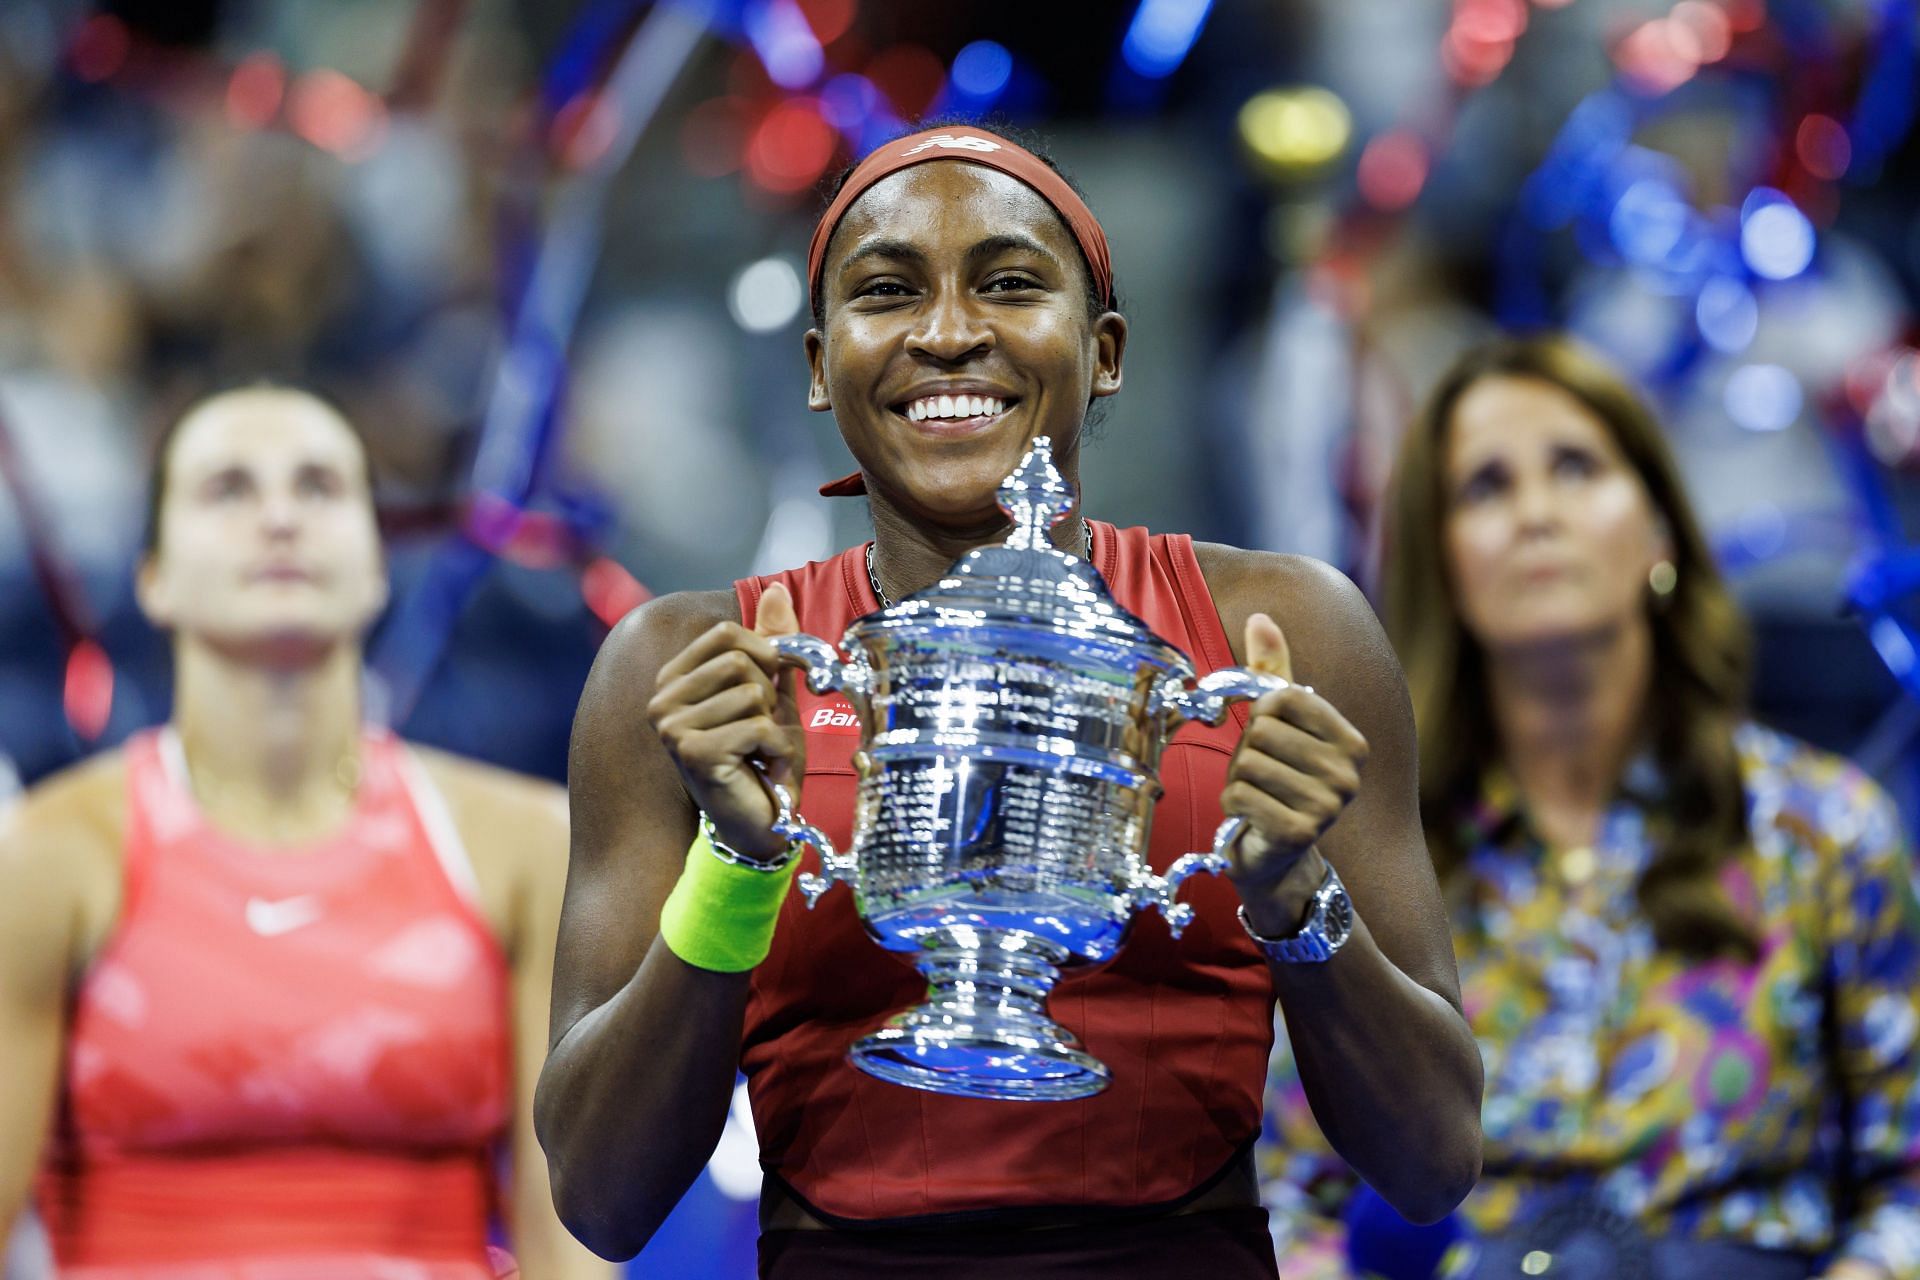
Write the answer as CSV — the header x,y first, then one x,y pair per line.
x,y
1336,914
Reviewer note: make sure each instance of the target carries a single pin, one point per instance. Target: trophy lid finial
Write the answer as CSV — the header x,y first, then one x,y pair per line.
x,y
1023,592
1036,495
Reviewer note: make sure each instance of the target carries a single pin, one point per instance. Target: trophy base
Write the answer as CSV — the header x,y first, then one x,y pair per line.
x,y
984,1030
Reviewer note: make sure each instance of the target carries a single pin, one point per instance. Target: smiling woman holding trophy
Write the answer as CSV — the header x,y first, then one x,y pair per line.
x,y
974,1043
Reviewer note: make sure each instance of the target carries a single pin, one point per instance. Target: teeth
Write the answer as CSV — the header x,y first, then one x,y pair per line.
x,y
967,406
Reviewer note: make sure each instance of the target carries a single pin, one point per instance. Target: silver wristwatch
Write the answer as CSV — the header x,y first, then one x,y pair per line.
x,y
727,853
1328,926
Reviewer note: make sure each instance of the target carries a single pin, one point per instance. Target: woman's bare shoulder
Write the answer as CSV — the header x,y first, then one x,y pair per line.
x,y
61,850
646,638
1319,608
513,828
79,811
490,802
1233,566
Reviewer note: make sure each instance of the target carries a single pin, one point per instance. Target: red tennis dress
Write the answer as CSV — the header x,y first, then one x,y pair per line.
x,y
285,1064
1185,1025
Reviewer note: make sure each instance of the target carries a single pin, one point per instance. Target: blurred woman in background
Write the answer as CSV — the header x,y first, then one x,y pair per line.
x,y
273,994
1688,945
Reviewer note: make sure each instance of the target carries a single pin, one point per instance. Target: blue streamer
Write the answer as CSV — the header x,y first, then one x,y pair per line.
x,y
519,430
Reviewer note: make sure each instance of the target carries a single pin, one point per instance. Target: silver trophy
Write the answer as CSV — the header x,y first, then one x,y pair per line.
x,y
1012,718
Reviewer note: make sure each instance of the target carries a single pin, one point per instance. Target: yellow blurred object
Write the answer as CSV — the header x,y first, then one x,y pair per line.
x,y
1291,133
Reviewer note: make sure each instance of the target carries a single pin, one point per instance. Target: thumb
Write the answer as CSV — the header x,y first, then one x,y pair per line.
x,y
776,616
1266,647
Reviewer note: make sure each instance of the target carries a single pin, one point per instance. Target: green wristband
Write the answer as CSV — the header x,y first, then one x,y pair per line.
x,y
720,916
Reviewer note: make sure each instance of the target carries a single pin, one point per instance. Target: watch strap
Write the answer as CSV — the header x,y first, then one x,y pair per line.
x,y
1328,925
733,857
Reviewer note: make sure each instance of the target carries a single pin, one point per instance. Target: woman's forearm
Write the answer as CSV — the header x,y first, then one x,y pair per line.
x,y
1392,1072
634,1097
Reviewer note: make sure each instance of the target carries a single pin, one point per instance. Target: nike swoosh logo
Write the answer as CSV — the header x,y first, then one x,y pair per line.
x,y
271,919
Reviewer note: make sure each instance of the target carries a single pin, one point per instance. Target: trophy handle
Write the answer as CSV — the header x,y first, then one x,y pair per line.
x,y
836,865
1207,701
825,670
1159,891
824,667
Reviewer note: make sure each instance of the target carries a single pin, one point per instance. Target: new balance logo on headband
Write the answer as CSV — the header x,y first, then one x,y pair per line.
x,y
951,143
980,147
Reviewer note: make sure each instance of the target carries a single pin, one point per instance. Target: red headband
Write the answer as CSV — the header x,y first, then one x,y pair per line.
x,y
972,145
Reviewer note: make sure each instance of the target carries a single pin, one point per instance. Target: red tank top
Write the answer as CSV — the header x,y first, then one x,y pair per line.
x,y
284,1064
1185,1025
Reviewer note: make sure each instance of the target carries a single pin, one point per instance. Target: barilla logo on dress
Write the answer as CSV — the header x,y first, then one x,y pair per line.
x,y
949,142
833,717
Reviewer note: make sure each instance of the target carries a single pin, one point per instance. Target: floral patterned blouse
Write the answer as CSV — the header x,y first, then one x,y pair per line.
x,y
1775,1103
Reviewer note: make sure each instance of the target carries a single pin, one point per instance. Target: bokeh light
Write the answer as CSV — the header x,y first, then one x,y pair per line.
x,y
849,101
1472,62
1490,21
766,295
1393,167
1900,388
792,147
1704,27
830,19
1745,15
1295,131
1866,378
1763,397
1822,146
1728,314
982,69
330,110
87,695
100,48
1649,221
1161,35
784,39
1659,56
1776,239
1894,437
255,91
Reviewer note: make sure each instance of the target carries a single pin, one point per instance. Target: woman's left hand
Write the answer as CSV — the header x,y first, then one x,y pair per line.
x,y
1296,770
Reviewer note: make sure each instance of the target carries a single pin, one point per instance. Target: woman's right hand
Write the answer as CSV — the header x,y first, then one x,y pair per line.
x,y
723,706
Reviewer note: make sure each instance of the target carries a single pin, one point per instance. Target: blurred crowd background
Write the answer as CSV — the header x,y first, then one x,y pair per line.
x,y
548,257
